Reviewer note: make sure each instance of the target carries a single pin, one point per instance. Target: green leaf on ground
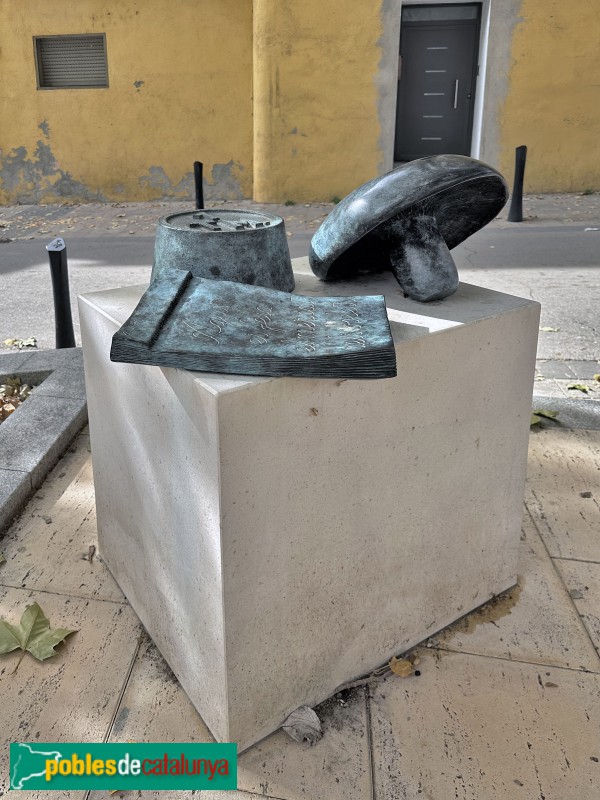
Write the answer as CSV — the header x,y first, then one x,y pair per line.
x,y
538,414
32,635
543,412
579,386
597,376
549,329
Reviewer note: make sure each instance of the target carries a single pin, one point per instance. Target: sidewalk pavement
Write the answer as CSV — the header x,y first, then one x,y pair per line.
x,y
506,704
25,222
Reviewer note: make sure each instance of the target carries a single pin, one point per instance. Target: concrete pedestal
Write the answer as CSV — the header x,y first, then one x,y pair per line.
x,y
281,536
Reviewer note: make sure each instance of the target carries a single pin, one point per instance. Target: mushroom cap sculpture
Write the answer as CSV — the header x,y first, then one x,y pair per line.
x,y
407,221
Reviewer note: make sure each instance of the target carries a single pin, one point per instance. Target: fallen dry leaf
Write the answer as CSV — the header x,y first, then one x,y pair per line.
x,y
579,387
33,635
303,725
401,667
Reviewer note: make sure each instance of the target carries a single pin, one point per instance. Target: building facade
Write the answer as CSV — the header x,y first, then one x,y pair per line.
x,y
297,100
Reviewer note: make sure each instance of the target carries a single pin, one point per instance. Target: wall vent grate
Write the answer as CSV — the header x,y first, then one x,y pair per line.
x,y
71,62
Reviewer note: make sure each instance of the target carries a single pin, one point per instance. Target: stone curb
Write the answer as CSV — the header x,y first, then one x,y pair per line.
x,y
573,412
37,434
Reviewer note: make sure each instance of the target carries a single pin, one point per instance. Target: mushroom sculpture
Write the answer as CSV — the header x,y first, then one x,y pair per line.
x,y
407,221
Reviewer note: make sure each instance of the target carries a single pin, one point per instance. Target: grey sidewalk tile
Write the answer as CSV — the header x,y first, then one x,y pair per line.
x,y
15,488
564,465
555,369
486,729
582,579
534,622
45,427
72,696
547,388
48,550
584,370
155,708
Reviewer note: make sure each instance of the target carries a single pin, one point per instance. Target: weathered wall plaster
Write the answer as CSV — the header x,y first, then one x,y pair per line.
x,y
281,100
180,90
552,104
317,125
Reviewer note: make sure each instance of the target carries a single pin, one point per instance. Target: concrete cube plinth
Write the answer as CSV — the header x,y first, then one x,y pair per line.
x,y
279,537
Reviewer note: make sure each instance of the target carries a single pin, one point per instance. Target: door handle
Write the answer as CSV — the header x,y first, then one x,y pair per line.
x,y
456,93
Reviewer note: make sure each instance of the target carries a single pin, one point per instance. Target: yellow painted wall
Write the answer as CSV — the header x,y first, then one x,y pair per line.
x,y
553,96
316,119
192,61
281,99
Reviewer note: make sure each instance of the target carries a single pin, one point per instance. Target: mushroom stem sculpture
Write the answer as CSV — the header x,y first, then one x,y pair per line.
x,y
407,221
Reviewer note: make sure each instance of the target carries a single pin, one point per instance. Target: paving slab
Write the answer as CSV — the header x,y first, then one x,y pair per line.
x,y
155,708
534,622
569,370
547,387
48,549
338,767
486,729
72,696
563,465
584,369
556,369
582,580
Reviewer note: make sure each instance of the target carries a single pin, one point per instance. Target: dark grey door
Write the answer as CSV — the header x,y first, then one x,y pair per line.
x,y
436,80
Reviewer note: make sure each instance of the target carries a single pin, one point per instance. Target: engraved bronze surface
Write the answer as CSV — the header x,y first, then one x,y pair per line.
x,y
226,244
221,326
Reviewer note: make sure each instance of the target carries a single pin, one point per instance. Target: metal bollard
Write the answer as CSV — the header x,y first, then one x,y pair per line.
x,y
515,212
198,184
59,271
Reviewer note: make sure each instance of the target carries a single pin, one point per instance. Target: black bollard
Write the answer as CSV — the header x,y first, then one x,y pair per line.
x,y
515,212
198,183
59,271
